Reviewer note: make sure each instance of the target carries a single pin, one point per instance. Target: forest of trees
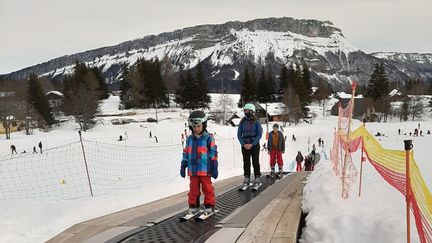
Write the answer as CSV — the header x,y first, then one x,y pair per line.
x,y
143,85
293,87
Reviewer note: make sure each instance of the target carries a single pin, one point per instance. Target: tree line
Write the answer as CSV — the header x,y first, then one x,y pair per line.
x,y
293,87
142,86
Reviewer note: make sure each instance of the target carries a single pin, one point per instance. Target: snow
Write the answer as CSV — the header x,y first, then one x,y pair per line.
x,y
394,92
344,95
377,216
420,58
55,92
257,43
236,74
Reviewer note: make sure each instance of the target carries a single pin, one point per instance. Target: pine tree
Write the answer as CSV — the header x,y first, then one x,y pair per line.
x,y
283,80
101,87
154,92
202,85
180,94
37,98
81,95
262,87
378,83
125,86
247,93
305,77
271,85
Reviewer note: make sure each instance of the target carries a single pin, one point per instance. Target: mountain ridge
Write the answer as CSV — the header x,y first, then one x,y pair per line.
x,y
224,49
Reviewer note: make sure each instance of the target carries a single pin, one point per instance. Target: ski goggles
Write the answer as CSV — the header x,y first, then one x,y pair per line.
x,y
194,122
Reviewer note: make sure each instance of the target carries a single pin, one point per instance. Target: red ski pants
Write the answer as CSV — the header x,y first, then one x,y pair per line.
x,y
276,155
299,166
195,192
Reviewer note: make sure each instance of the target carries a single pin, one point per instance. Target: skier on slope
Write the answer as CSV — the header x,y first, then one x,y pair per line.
x,y
200,157
299,160
249,134
276,147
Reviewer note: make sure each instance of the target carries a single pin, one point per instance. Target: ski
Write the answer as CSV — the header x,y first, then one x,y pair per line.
x,y
256,187
206,215
244,187
190,215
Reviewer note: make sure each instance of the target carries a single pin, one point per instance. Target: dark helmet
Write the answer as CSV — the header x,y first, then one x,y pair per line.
x,y
196,118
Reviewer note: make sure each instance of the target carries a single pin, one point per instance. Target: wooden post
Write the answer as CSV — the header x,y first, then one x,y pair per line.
x,y
85,161
344,192
408,147
362,159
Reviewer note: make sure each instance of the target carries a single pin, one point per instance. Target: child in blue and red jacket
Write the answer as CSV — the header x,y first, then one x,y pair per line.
x,y
200,157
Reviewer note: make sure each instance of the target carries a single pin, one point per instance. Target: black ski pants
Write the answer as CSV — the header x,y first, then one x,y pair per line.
x,y
247,154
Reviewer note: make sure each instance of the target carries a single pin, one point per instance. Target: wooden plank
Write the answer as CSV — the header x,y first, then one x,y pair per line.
x,y
288,225
262,227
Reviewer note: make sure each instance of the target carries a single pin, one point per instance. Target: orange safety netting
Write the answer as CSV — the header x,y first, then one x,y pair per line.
x,y
341,160
390,164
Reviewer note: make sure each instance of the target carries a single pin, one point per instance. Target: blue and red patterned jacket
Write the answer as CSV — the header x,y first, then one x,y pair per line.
x,y
200,155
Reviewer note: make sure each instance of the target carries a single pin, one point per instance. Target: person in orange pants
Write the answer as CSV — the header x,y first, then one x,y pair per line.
x,y
276,147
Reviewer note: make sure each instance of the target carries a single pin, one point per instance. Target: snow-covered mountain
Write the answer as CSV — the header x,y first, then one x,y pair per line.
x,y
225,49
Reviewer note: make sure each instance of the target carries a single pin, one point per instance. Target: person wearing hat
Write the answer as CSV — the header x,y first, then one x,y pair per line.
x,y
276,147
249,134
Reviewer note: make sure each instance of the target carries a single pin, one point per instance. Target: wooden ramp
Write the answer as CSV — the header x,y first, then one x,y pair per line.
x,y
273,216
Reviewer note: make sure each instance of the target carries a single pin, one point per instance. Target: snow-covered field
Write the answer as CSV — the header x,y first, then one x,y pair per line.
x,y
377,216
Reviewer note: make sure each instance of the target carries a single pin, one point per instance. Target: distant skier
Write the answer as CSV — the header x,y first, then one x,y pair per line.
x,y
120,138
293,138
200,157
264,147
150,134
34,150
299,160
276,147
13,149
399,131
308,163
313,151
40,146
156,139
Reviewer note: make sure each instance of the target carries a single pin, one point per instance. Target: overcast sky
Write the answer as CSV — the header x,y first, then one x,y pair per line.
x,y
35,31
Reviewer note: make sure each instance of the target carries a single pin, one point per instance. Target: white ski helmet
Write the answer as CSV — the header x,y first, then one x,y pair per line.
x,y
249,106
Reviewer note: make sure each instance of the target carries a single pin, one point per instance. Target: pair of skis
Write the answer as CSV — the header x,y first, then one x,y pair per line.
x,y
202,215
275,176
244,187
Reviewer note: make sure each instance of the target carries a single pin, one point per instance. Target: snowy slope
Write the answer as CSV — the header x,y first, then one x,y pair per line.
x,y
255,44
378,216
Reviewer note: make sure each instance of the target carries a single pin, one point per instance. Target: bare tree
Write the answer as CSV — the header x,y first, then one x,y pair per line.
x,y
82,105
416,108
223,105
293,108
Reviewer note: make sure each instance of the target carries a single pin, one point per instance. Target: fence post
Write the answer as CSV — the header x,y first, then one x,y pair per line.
x,y
85,161
408,147
362,159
